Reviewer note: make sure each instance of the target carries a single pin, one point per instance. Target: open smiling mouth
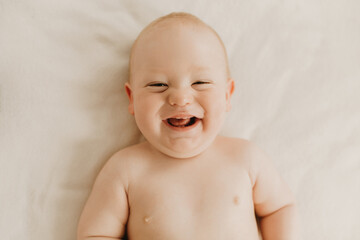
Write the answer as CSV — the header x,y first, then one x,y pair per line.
x,y
182,123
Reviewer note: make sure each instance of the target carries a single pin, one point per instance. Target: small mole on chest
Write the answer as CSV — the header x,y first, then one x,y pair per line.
x,y
236,200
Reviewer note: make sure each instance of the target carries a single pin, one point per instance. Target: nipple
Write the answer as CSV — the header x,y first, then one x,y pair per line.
x,y
147,219
236,200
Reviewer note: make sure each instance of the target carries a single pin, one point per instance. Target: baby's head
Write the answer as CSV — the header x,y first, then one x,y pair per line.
x,y
179,84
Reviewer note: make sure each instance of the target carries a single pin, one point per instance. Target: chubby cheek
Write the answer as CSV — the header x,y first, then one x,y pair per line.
x,y
214,110
146,111
140,115
144,104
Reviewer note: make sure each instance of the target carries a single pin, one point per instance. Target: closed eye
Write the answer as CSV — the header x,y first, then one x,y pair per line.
x,y
201,82
157,85
202,85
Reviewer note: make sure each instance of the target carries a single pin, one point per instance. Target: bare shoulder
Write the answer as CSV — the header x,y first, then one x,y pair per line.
x,y
123,164
249,153
240,146
126,155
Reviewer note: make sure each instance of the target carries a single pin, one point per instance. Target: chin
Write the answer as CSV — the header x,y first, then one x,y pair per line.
x,y
184,150
181,155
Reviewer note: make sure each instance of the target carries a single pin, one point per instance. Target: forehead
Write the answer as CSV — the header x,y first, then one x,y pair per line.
x,y
178,45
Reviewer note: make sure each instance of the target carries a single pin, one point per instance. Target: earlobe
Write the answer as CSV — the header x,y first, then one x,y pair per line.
x,y
130,96
229,91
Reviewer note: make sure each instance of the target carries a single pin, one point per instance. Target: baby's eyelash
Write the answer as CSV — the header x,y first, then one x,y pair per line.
x,y
157,85
201,82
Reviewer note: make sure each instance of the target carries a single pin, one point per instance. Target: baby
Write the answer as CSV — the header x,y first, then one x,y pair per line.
x,y
185,181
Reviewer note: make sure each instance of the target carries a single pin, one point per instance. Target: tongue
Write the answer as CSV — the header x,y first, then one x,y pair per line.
x,y
179,122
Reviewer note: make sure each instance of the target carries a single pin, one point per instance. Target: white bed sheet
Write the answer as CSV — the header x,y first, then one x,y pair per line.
x,y
63,110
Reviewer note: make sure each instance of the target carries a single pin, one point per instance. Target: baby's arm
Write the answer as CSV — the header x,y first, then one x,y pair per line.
x,y
106,211
274,202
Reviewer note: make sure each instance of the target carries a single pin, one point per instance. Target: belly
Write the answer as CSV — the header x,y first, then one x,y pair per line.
x,y
192,210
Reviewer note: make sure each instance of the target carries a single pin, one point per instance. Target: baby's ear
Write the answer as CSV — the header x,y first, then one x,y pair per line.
x,y
130,96
229,91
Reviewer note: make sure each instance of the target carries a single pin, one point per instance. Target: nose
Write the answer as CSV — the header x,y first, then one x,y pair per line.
x,y
180,98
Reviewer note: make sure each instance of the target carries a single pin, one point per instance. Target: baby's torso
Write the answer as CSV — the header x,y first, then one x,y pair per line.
x,y
191,200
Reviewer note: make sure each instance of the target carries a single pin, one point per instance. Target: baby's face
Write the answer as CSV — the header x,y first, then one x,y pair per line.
x,y
179,91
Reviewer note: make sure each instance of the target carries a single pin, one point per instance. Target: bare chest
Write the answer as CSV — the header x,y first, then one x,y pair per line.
x,y
183,203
